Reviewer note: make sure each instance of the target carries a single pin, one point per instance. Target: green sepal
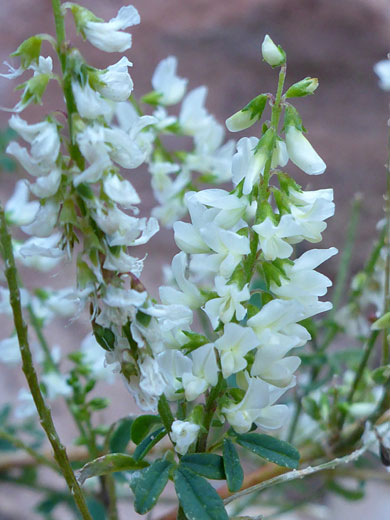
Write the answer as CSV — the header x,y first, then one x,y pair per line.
x,y
266,142
195,341
287,183
305,87
85,275
271,449
207,465
29,51
292,118
109,464
152,98
34,88
82,16
233,469
256,106
143,319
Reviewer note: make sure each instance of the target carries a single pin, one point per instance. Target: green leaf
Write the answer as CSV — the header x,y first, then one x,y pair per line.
x,y
150,485
121,436
147,444
109,464
207,465
233,469
271,449
197,497
142,426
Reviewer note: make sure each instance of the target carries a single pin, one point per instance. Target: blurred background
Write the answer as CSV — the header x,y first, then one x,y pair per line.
x,y
218,44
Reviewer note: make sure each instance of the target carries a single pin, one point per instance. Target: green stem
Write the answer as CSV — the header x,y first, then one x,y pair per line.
x,y
386,307
363,363
44,413
345,260
40,459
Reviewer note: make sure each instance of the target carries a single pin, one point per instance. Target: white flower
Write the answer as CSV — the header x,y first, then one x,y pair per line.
x,y
45,145
232,208
204,372
183,434
171,316
277,320
188,294
173,364
18,210
44,221
109,36
94,149
94,358
235,343
241,416
304,285
247,164
120,191
382,69
270,363
193,116
271,53
123,298
302,153
228,246
118,84
271,237
310,218
228,304
46,247
165,81
151,382
129,149
45,187
89,102
56,385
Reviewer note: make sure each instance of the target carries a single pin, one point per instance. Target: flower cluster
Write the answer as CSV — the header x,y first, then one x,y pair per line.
x,y
236,268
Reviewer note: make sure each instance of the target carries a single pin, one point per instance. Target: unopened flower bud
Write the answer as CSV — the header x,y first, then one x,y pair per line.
x,y
273,54
304,87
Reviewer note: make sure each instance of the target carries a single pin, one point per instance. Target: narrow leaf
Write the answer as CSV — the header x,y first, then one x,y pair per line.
x,y
147,444
207,465
150,485
142,426
233,469
165,412
108,464
269,448
197,497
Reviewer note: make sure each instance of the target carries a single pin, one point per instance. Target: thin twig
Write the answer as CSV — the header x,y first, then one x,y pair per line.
x,y
44,412
295,474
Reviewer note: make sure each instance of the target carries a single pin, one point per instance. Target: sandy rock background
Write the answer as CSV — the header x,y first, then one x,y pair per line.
x,y
217,43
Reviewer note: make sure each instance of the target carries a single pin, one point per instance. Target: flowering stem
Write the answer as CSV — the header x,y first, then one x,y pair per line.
x,y
44,413
209,410
275,117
